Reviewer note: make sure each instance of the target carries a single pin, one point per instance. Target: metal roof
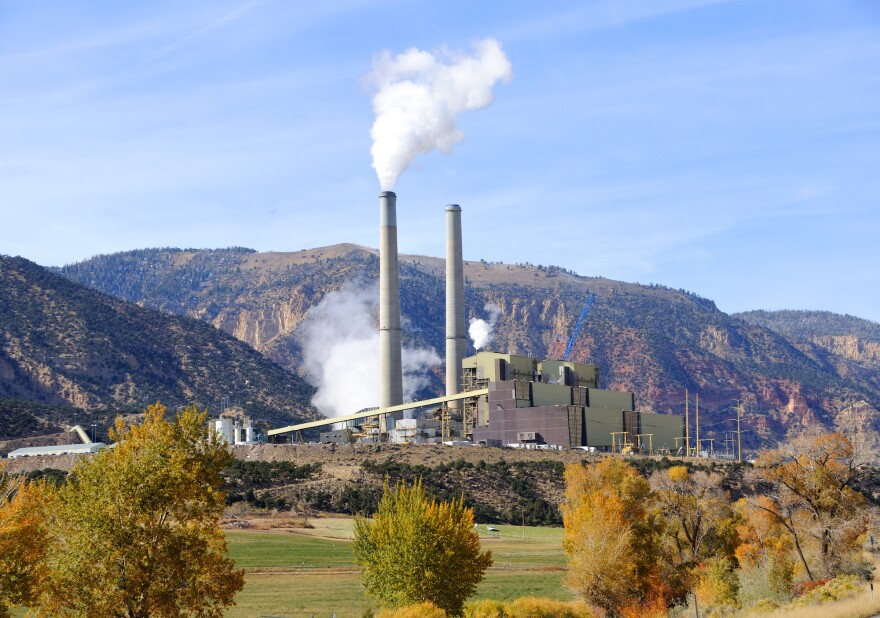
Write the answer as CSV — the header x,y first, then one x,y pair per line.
x,y
57,449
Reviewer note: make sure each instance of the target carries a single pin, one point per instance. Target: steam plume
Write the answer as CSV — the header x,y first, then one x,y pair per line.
x,y
341,353
417,96
482,331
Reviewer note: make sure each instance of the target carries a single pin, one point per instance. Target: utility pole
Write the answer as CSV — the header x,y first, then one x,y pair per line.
x,y
699,454
739,444
687,425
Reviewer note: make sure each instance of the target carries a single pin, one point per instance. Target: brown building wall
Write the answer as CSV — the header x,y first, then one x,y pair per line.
x,y
506,421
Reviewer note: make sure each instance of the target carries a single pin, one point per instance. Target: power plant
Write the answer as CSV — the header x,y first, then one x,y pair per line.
x,y
491,399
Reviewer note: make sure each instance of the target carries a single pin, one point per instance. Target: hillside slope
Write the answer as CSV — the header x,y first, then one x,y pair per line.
x,y
847,337
650,339
63,345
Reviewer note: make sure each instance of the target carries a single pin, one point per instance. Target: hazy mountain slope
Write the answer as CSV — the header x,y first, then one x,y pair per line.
x,y
62,344
845,336
653,340
849,345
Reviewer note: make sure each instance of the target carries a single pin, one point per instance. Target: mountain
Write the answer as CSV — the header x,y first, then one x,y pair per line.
x,y
847,344
843,336
66,348
650,339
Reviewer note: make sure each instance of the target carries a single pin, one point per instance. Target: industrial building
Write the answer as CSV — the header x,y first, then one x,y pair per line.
x,y
59,449
559,403
87,447
491,399
234,431
518,401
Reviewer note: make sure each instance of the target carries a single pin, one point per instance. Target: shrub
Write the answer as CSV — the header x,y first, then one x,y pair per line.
x,y
832,590
488,608
719,583
420,610
529,607
780,574
535,607
764,606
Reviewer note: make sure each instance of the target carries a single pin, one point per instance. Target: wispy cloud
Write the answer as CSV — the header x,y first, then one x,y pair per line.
x,y
597,16
230,17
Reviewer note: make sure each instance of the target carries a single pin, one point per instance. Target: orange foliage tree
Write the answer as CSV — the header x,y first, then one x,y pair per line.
x,y
764,542
610,538
23,541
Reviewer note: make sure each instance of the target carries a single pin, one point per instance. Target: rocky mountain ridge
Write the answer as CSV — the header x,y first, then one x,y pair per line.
x,y
651,339
65,348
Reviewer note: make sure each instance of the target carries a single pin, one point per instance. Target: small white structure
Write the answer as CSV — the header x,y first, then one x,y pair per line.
x,y
86,448
59,449
415,431
233,431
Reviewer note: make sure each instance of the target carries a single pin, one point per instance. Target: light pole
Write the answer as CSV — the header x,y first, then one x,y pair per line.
x,y
94,426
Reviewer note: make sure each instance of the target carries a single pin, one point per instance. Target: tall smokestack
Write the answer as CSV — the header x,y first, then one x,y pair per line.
x,y
390,368
456,336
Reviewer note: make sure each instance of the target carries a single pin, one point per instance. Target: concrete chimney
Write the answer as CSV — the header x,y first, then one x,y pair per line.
x,y
390,368
456,337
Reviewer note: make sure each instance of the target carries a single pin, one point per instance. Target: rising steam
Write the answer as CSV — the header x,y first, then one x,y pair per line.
x,y
341,353
417,97
482,331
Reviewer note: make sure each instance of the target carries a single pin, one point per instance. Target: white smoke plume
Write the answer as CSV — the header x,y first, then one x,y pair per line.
x,y
340,342
482,331
417,97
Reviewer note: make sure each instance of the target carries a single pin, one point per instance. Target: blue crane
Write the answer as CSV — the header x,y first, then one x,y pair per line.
x,y
577,327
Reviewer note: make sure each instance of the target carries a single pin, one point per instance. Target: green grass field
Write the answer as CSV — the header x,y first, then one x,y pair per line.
x,y
313,572
323,594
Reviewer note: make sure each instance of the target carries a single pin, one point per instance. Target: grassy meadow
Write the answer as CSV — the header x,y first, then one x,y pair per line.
x,y
312,571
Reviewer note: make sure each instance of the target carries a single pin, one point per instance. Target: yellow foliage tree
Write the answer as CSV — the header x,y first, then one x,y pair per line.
x,y
415,550
23,541
718,583
136,528
609,537
698,517
809,494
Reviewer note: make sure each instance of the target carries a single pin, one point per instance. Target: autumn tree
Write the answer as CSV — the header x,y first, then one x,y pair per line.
x,y
23,541
698,519
415,550
808,487
764,543
610,537
136,528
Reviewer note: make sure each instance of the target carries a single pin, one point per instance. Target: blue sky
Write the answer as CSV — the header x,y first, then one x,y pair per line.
x,y
731,148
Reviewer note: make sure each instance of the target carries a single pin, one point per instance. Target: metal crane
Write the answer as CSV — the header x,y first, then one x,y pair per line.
x,y
577,327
